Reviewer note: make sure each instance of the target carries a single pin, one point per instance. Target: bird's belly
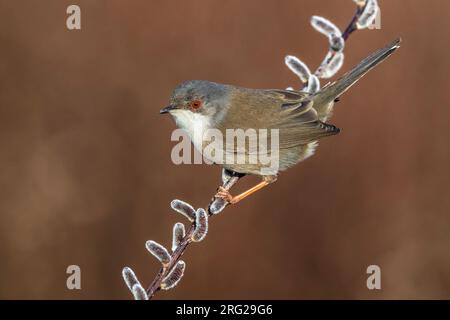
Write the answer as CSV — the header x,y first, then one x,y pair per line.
x,y
287,158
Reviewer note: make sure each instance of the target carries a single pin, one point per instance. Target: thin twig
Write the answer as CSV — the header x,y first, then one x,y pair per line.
x,y
351,27
179,251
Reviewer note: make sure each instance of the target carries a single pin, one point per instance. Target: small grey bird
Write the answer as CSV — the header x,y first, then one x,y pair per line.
x,y
300,117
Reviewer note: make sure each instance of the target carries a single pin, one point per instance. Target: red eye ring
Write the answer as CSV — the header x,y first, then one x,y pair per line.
x,y
196,104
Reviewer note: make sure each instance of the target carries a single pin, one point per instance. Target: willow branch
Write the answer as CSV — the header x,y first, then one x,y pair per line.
x,y
352,25
155,286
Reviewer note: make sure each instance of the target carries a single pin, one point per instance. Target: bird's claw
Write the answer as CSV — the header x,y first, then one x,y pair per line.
x,y
224,194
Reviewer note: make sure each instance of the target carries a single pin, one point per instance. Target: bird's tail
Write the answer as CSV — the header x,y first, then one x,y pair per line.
x,y
335,89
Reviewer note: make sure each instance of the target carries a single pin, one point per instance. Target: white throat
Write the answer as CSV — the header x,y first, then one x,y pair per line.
x,y
194,124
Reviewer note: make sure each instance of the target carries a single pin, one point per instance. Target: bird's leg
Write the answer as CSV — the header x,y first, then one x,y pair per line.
x,y
218,202
225,193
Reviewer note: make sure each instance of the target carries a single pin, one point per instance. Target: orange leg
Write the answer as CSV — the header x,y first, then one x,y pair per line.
x,y
225,194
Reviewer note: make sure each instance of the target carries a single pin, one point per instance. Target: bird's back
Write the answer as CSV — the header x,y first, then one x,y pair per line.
x,y
287,116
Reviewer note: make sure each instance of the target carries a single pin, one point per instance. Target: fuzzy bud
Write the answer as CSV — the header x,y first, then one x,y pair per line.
x,y
139,292
184,208
325,26
331,65
158,251
177,235
129,277
368,15
298,67
337,43
313,84
174,276
201,225
217,205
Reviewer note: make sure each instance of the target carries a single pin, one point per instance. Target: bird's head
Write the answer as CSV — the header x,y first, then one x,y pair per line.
x,y
198,101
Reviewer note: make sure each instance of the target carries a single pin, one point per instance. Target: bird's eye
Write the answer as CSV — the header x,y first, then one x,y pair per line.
x,y
196,104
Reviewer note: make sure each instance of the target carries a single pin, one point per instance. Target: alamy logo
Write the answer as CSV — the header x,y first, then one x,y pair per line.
x,y
257,147
374,280
74,280
376,23
73,21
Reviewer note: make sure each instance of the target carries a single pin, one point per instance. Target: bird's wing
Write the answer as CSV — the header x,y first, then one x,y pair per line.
x,y
291,112
297,119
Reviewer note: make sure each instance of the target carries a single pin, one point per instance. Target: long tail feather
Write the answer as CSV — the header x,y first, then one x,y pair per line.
x,y
334,90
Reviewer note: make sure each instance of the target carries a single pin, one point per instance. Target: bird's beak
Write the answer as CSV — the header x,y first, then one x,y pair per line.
x,y
168,109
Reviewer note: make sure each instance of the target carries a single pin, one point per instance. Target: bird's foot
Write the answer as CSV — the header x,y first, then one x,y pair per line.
x,y
224,194
219,201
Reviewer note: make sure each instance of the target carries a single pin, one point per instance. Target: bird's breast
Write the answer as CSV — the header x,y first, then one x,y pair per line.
x,y
194,124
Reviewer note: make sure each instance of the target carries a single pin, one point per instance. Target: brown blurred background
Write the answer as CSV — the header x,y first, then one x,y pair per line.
x,y
86,175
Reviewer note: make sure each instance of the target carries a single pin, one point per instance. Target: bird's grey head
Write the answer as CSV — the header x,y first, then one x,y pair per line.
x,y
198,99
